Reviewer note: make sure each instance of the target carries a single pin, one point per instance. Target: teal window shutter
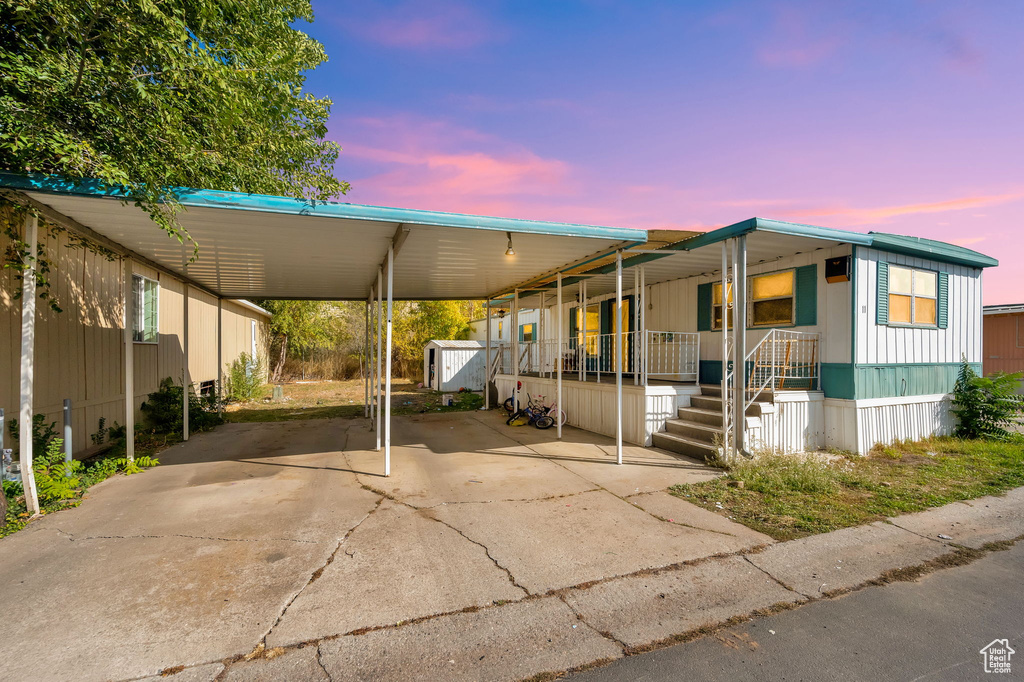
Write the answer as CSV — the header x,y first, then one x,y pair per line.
x,y
882,297
521,335
704,307
573,323
807,296
942,314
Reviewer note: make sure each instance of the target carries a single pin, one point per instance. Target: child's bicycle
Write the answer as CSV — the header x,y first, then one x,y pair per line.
x,y
536,413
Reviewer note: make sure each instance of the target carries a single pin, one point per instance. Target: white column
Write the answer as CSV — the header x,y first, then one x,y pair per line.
x,y
28,352
725,351
636,327
739,298
487,356
129,362
220,355
366,358
387,362
380,338
617,328
559,358
643,322
186,378
515,351
583,345
540,334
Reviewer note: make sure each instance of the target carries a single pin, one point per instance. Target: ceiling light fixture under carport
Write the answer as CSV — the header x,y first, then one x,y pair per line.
x,y
510,251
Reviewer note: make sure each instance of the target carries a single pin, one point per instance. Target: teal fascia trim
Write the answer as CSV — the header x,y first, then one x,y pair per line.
x,y
931,250
765,225
264,203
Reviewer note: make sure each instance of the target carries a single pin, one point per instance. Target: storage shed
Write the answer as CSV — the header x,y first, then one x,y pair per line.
x,y
449,365
1003,339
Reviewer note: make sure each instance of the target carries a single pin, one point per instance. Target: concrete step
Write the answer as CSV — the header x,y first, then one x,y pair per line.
x,y
714,403
703,432
711,390
701,416
682,445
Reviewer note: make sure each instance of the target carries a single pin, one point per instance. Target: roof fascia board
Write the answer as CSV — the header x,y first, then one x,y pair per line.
x,y
241,201
931,250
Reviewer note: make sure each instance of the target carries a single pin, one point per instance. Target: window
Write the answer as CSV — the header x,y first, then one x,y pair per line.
x,y
913,296
526,332
771,300
146,304
500,329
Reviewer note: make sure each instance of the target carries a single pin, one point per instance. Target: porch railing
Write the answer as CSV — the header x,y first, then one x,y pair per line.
x,y
654,354
784,360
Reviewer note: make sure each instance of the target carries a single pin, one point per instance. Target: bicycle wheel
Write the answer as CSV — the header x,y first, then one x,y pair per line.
x,y
544,422
509,405
563,417
520,418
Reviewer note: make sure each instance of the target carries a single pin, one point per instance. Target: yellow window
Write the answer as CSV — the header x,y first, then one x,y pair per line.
x,y
913,296
771,299
775,285
899,308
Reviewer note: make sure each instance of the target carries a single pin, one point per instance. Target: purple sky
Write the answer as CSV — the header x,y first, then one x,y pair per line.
x,y
896,116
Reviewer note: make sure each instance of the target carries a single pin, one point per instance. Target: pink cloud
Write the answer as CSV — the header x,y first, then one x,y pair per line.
x,y
846,216
795,42
448,24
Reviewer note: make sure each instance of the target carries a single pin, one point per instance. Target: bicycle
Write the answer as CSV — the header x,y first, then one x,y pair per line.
x,y
551,411
535,413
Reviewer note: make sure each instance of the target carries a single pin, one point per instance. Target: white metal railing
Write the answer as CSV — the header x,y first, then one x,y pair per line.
x,y
674,355
784,360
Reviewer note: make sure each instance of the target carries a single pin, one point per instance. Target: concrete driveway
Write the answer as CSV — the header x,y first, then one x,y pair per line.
x,y
284,536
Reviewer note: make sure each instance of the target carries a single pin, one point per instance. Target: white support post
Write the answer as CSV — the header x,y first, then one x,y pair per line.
x,y
387,361
636,326
643,322
487,357
726,449
515,352
583,345
380,339
739,298
366,358
540,334
186,378
28,351
560,357
220,356
617,327
129,362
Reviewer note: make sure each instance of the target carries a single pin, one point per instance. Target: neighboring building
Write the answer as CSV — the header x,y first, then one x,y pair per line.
x,y
855,338
1003,339
80,351
449,365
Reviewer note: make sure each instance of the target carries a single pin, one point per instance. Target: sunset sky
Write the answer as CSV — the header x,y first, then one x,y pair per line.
x,y
897,116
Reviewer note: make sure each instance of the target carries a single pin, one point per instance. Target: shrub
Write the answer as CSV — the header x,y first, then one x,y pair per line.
x,y
163,409
986,406
245,378
42,433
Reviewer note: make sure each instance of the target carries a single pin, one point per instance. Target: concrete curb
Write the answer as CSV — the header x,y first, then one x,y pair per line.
x,y
590,625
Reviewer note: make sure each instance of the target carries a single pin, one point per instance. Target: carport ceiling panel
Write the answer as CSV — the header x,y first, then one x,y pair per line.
x,y
442,262
248,254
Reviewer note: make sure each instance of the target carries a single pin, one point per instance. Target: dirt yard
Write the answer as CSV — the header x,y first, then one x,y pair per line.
x,y
331,399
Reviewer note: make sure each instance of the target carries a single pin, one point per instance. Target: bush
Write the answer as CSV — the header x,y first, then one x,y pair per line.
x,y
163,409
986,406
246,379
42,433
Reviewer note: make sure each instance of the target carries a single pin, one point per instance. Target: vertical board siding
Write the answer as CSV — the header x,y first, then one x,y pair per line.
x,y
907,421
883,344
80,351
1003,343
795,423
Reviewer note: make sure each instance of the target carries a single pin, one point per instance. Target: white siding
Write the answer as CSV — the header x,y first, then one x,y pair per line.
x,y
455,368
794,423
859,425
882,344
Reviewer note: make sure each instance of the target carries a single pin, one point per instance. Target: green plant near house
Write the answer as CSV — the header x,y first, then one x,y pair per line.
x,y
101,432
42,433
986,407
246,378
163,409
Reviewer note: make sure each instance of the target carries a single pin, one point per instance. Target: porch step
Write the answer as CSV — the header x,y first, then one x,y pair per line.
x,y
701,416
714,403
683,445
705,433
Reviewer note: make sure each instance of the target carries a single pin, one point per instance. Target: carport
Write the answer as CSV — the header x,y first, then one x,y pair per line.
x,y
258,246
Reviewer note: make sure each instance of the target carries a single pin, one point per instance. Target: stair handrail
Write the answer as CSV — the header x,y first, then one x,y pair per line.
x,y
771,339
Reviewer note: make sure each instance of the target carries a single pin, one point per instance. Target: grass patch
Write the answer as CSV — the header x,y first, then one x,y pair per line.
x,y
344,400
790,497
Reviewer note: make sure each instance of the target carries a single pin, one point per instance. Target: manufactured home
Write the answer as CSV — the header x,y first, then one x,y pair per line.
x,y
527,327
846,339
83,346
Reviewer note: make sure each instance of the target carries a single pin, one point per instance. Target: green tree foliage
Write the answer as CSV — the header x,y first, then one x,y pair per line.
x,y
155,94
298,326
986,406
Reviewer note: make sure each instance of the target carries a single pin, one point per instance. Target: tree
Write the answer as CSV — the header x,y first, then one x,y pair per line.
x,y
298,326
153,94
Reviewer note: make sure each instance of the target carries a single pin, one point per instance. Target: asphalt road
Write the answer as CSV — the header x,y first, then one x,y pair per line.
x,y
927,630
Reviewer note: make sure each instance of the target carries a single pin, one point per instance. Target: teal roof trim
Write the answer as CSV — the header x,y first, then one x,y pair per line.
x,y
930,250
241,201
